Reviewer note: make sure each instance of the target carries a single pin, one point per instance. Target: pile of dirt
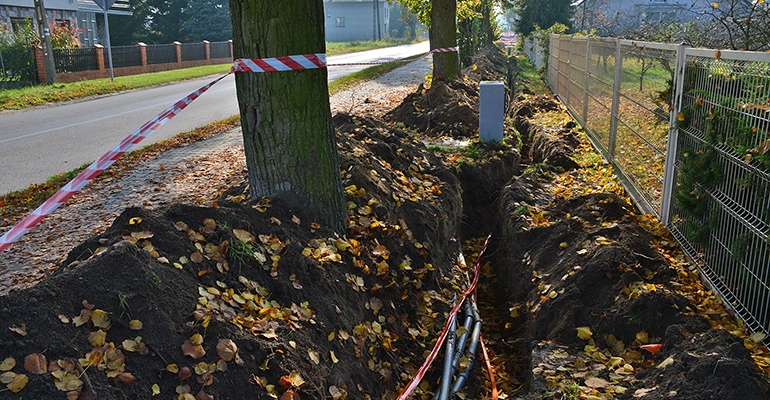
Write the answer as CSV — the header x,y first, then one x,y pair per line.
x,y
450,108
594,299
300,303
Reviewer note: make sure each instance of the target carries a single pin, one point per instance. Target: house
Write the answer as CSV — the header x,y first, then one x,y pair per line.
x,y
619,17
83,14
350,20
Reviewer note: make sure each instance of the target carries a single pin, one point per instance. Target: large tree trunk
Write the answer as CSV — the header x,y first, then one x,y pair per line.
x,y
443,33
288,137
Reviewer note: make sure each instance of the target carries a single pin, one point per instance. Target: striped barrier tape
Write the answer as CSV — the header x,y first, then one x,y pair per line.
x,y
443,50
417,378
276,64
98,166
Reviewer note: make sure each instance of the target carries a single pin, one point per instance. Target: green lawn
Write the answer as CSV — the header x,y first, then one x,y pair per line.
x,y
16,99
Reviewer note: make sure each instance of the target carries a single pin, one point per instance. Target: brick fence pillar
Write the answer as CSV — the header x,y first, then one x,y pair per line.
x,y
40,65
207,49
178,47
99,53
142,53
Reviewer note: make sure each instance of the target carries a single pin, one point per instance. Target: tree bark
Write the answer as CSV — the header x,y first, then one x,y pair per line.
x,y
443,33
288,137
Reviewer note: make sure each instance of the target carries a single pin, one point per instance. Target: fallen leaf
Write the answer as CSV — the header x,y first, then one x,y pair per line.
x,y
101,319
643,392
135,325
226,349
205,396
19,382
665,363
334,357
155,389
7,364
36,363
21,330
135,221
313,356
184,373
125,378
243,236
596,383
289,395
652,348
584,332
192,347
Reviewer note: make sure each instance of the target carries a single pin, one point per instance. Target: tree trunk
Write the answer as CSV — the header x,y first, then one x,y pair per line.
x,y
443,33
288,137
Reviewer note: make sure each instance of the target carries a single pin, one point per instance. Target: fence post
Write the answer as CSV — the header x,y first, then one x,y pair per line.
x,y
616,86
207,49
586,82
669,169
178,48
40,65
231,48
99,54
567,99
142,53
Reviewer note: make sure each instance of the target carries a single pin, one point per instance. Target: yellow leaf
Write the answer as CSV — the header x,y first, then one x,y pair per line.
x,y
18,383
135,325
173,368
715,5
313,356
563,245
584,333
155,389
334,358
7,364
7,377
101,319
134,221
331,336
642,337
243,236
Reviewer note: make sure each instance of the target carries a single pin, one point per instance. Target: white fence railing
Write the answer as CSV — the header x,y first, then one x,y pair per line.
x,y
687,131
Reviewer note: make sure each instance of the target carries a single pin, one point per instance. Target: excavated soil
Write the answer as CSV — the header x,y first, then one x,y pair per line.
x,y
312,314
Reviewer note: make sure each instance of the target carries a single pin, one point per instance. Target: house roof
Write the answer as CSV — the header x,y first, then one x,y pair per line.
x,y
120,7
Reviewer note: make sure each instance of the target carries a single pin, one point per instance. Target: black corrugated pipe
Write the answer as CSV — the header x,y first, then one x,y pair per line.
x,y
446,375
472,347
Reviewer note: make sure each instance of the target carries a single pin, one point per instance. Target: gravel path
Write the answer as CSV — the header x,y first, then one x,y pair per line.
x,y
196,174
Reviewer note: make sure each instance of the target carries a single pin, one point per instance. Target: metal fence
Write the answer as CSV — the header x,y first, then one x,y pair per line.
x,y
126,56
687,132
220,49
161,53
75,60
193,51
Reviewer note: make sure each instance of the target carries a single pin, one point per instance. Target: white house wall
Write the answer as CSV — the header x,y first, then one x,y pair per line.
x,y
358,20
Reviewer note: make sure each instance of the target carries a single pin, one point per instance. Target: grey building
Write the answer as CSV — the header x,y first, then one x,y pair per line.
x,y
349,20
82,14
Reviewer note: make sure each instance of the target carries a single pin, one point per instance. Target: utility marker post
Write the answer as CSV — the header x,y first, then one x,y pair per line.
x,y
45,42
491,111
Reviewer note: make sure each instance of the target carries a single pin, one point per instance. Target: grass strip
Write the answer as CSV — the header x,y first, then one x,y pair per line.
x,y
17,99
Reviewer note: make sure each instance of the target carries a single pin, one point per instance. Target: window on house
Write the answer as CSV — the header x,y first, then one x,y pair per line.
x,y
62,22
340,21
18,24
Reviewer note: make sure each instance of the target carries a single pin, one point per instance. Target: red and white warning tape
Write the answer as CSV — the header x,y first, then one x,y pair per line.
x,y
443,50
98,166
285,63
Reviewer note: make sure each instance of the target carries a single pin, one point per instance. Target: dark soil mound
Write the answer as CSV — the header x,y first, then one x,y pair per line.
x,y
342,314
451,108
596,273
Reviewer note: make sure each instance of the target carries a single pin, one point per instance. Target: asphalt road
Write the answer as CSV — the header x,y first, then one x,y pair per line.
x,y
43,141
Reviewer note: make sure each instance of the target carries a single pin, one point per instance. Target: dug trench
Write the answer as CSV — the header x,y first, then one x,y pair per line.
x,y
251,298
